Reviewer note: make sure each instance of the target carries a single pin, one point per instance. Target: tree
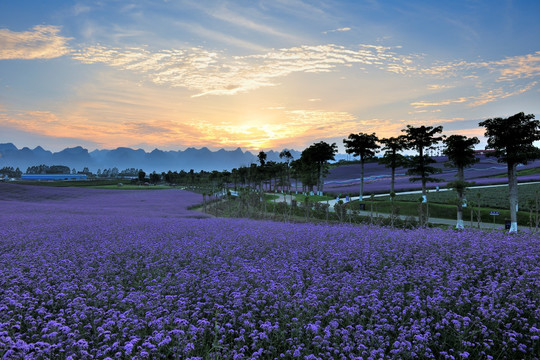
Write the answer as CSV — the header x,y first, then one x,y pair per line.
x,y
286,154
58,169
261,170
460,152
391,158
319,154
226,178
154,177
215,178
268,172
512,140
141,175
296,167
243,173
262,157
253,172
274,171
235,176
305,170
10,172
421,139
114,172
365,146
191,176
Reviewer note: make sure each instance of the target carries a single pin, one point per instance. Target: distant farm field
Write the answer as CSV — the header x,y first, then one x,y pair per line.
x,y
89,273
95,184
346,179
495,197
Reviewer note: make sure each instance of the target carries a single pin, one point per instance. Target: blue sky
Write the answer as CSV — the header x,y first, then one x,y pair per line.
x,y
259,74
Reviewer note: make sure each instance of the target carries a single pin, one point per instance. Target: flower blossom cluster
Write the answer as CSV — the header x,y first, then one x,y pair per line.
x,y
78,283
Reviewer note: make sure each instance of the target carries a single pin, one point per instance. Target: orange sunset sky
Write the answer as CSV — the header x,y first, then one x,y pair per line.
x,y
259,75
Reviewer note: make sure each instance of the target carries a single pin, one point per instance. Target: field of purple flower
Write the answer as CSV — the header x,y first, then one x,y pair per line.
x,y
126,274
346,179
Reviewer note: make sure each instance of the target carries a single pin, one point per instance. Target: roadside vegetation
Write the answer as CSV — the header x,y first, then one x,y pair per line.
x,y
403,211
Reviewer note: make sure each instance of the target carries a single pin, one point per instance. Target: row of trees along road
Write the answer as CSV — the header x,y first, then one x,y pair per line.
x,y
511,140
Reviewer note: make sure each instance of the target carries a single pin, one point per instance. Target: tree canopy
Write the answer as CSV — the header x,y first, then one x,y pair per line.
x,y
391,158
262,157
319,154
422,138
512,138
391,146
460,150
361,144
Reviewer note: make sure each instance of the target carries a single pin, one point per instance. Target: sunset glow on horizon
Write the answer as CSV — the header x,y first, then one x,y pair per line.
x,y
259,75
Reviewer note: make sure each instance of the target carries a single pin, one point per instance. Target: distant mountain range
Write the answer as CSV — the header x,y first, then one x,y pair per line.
x,y
125,158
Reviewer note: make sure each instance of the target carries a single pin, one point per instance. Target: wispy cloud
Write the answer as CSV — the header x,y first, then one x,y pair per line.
x,y
494,80
507,69
477,100
30,121
440,86
299,8
423,104
231,17
42,42
214,73
343,29
500,93
104,134
80,8
205,72
221,37
517,67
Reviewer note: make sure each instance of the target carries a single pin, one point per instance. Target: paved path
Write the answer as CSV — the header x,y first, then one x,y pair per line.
x,y
450,222
283,197
366,197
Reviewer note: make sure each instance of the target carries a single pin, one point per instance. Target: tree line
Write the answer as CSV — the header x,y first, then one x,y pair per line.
x,y
511,141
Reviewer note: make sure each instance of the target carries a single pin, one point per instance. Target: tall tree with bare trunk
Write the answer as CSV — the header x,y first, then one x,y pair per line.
x,y
392,158
286,154
364,146
421,139
512,140
460,152
319,154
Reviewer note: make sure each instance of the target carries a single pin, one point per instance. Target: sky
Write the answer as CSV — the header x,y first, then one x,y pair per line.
x,y
259,74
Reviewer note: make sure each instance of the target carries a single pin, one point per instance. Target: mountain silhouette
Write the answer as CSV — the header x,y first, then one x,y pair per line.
x,y
124,158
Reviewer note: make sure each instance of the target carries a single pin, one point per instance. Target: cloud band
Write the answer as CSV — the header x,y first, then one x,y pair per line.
x,y
43,42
